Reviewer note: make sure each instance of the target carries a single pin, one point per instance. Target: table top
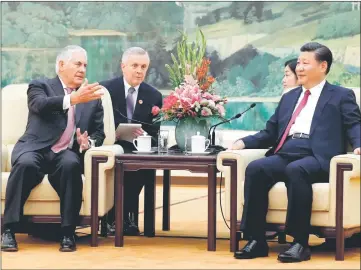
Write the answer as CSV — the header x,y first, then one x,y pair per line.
x,y
170,156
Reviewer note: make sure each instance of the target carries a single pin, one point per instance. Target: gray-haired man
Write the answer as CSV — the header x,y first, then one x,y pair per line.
x,y
132,101
52,144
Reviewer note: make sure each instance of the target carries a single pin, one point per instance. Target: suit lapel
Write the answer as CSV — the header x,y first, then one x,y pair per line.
x,y
78,111
293,98
325,96
121,100
140,104
57,86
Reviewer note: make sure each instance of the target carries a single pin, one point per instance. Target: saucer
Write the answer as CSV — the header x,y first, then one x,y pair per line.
x,y
200,153
143,152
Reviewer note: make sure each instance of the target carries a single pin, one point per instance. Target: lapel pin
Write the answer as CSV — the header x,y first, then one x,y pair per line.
x,y
140,101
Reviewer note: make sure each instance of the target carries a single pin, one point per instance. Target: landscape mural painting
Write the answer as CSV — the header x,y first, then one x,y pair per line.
x,y
247,42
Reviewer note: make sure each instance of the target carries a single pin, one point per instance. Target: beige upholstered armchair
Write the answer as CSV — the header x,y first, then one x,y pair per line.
x,y
43,205
336,205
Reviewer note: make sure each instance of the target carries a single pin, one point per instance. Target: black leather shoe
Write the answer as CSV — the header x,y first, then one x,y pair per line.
x,y
67,244
296,253
252,249
111,229
130,228
8,241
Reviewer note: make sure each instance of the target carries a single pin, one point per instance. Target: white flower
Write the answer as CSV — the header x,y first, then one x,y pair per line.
x,y
211,104
204,102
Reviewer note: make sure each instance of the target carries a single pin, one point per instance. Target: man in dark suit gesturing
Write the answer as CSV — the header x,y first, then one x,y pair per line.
x,y
132,101
62,112
310,126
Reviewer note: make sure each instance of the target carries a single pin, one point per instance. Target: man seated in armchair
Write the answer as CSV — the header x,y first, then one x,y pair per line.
x,y
62,112
309,127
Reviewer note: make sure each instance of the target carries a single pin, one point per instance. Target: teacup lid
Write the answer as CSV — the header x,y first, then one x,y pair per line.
x,y
198,135
145,134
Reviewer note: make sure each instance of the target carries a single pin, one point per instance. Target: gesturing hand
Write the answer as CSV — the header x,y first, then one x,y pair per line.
x,y
86,92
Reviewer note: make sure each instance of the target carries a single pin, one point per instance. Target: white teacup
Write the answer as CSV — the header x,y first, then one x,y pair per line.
x,y
144,143
199,143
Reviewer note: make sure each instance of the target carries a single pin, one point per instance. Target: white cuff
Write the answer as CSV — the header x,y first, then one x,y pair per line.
x,y
66,102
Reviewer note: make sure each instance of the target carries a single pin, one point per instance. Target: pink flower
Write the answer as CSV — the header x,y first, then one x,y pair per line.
x,y
207,96
155,110
206,112
216,98
221,110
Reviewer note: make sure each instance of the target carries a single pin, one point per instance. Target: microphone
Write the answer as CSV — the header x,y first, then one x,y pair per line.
x,y
238,115
140,122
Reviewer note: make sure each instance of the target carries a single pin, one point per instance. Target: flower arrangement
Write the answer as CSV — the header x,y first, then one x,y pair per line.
x,y
193,95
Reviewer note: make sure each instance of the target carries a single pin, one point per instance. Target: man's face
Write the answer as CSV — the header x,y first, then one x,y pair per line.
x,y
135,68
310,71
73,72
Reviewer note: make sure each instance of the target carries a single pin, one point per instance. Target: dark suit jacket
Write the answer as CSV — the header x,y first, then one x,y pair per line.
x,y
47,120
142,112
335,122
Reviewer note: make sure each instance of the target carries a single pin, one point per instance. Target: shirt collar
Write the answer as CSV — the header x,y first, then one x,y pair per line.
x,y
62,83
127,86
316,90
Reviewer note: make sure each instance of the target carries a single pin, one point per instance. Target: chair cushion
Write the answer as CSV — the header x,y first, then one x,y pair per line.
x,y
42,192
278,197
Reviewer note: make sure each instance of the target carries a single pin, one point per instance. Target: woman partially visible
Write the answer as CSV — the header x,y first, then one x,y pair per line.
x,y
290,80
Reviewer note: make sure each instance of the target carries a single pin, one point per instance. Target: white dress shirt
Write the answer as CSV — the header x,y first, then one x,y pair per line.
x,y
66,105
304,119
135,93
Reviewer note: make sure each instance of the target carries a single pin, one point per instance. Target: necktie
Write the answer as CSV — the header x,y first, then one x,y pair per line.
x,y
66,137
293,119
130,103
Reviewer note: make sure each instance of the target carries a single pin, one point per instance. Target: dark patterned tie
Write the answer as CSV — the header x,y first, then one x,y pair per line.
x,y
130,103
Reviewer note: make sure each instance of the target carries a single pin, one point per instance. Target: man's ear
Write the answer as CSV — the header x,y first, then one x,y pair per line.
x,y
61,65
324,66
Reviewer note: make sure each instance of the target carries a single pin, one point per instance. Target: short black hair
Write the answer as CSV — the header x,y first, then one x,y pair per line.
x,y
292,63
322,53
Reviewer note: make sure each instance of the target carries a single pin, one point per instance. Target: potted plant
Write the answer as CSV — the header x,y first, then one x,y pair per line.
x,y
193,101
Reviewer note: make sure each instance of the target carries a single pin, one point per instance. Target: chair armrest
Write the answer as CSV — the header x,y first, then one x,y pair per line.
x,y
349,166
243,157
4,157
349,159
105,177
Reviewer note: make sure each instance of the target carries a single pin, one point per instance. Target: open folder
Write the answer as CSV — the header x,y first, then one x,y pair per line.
x,y
125,131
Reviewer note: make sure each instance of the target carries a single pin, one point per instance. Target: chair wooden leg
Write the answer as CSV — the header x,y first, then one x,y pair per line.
x,y
340,247
340,232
